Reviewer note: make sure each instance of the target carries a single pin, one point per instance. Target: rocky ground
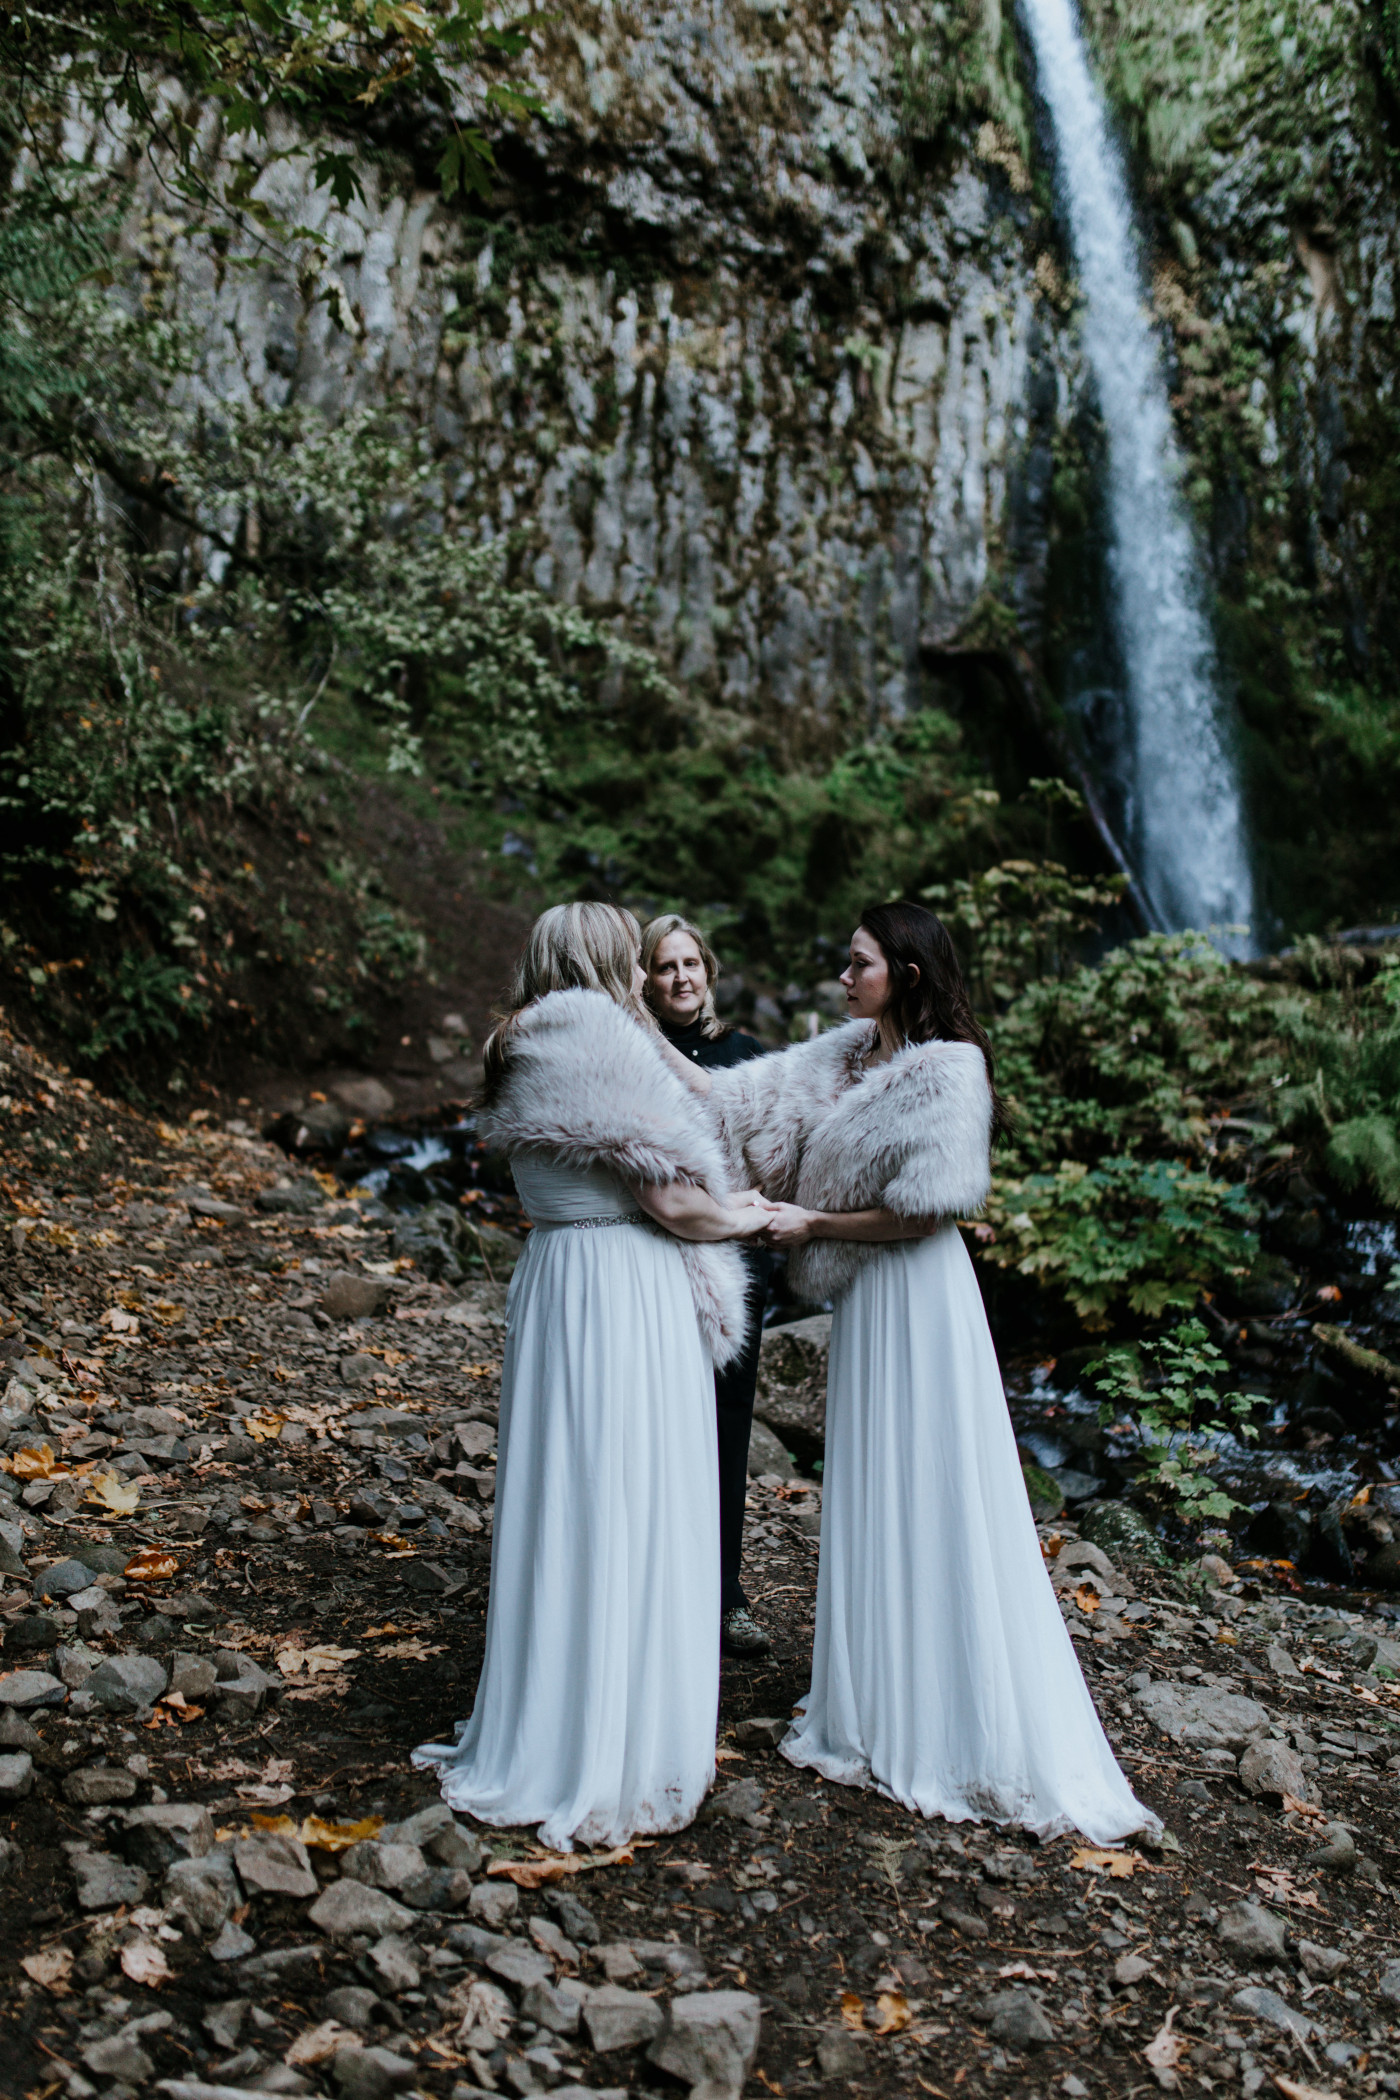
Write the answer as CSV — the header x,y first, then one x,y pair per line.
x,y
244,1537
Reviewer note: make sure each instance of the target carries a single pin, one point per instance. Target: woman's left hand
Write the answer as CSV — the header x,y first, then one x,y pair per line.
x,y
789,1225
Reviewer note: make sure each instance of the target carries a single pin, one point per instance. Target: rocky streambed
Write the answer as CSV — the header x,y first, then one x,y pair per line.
x,y
244,1536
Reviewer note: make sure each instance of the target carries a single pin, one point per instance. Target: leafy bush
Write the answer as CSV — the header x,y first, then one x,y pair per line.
x,y
1167,1392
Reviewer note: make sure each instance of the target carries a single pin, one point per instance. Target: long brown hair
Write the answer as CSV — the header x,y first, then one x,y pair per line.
x,y
928,995
572,947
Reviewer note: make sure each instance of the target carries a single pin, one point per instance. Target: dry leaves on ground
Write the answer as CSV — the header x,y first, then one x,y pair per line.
x,y
852,2011
110,1492
145,1963
1117,1865
320,1661
893,2008
152,1564
52,1967
553,1866
1165,2051
319,2043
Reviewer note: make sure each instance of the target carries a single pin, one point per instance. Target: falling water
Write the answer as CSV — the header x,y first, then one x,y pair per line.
x,y
1186,832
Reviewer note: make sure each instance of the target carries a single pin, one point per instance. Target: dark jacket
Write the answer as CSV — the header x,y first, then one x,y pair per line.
x,y
731,1048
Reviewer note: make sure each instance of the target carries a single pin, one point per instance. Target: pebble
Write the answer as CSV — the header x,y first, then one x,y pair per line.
x,y
349,1907
95,1786
1254,1934
619,2019
1015,2017
16,1775
1267,2005
1272,1770
494,1902
30,1688
275,1864
395,1963
127,1684
103,1881
64,1578
156,1836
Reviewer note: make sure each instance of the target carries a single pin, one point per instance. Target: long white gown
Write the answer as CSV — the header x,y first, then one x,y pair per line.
x,y
942,1672
596,1709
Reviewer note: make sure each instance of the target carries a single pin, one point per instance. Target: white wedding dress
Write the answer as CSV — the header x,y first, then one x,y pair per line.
x,y
942,1672
595,1712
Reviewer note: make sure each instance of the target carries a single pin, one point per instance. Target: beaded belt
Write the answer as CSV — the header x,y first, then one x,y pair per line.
x,y
631,1217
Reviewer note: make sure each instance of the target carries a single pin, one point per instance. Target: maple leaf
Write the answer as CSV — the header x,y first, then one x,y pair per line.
x,y
553,1866
1117,1865
110,1492
893,2008
852,2011
338,1837
151,1564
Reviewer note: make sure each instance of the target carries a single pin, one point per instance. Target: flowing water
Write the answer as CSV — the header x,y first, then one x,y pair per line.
x,y
1183,813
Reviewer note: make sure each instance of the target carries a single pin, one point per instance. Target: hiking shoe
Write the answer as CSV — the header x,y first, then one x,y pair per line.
x,y
741,1634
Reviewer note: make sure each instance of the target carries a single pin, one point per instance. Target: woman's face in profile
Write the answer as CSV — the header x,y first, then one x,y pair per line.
x,y
866,978
675,984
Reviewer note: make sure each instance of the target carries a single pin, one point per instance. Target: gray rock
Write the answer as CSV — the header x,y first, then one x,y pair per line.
x,y
98,1622
520,1964
103,1881
352,2005
710,2040
474,1941
765,1733
346,1295
30,1688
575,1917
1016,2018
29,1636
840,2056
193,1677
1371,1652
16,1733
552,2007
1280,1661
274,1864
383,1866
371,2074
742,1799
200,1893
95,1786
768,1454
438,1835
224,2023
230,1943
1339,1855
11,1859
245,1693
494,1903
1320,1963
1202,1716
157,1836
75,1663
1267,2005
16,1775
1271,1769
348,1907
127,1684
64,1579
121,2057
618,2019
396,1964
1389,1982
1254,1933
672,1958
439,1889
297,1201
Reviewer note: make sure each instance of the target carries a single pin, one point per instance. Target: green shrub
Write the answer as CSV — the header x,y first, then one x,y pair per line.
x,y
1167,1391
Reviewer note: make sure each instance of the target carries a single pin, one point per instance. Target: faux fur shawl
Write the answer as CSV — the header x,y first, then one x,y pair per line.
x,y
583,1082
806,1126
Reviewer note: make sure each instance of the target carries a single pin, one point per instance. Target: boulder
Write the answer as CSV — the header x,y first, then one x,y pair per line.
x,y
347,1295
768,1454
1200,1715
1043,1492
127,1684
710,2039
1271,1769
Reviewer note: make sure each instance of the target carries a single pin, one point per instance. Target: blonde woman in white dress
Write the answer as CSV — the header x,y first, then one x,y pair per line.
x,y
942,1672
596,1708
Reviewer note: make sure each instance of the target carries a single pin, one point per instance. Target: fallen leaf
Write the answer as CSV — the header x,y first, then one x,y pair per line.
x,y
1291,2090
1165,2051
313,1662
419,1651
265,1796
338,1837
319,2043
392,1542
1050,1547
144,1962
1086,1599
169,1315
183,1710
120,1322
376,1633
117,1496
52,1967
151,1564
279,1826
34,1462
852,2011
1023,1968
893,2008
264,1427
1117,1865
554,1866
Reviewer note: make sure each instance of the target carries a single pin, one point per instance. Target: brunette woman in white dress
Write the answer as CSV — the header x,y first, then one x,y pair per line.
x,y
595,1712
942,1672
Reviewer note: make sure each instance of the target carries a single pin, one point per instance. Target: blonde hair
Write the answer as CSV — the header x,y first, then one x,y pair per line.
x,y
572,947
660,929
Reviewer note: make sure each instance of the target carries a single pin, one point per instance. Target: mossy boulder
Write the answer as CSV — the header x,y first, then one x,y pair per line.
x,y
1120,1529
1045,1494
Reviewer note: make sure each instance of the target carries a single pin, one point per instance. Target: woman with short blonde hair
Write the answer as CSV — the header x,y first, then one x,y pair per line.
x,y
595,1711
664,928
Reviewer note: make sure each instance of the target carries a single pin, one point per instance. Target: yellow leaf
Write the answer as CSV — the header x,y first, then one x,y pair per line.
x,y
151,1564
852,2011
1117,1865
113,1494
338,1837
893,2008
279,1826
1086,1599
168,1314
264,1427
34,1462
553,1866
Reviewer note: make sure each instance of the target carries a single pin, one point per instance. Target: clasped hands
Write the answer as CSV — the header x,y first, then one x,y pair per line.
x,y
776,1224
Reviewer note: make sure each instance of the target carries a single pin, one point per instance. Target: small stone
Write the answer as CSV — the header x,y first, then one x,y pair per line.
x,y
742,1799
1339,1854
348,1907
275,1864
371,2074
426,1576
1017,2019
168,1830
16,1775
966,1922
711,2039
346,1295
1267,2005
1254,1933
521,1965
473,1941
618,2019
1271,1769
121,2057
231,1943
383,1866
75,1664
1389,1984
1280,1661
360,1369
16,1733
64,1579
551,2006
96,1786
127,1684
761,1734
396,1964
224,2023
103,1882
575,1917
1131,1968
1320,1963
551,1941
494,1903
352,2005
31,1635
201,1892
619,1962
840,2055
29,1688
193,1677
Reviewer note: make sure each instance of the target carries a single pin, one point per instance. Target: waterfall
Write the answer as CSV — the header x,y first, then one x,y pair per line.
x,y
1184,819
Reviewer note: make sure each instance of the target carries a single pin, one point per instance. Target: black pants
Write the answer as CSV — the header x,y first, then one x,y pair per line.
x,y
734,1391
